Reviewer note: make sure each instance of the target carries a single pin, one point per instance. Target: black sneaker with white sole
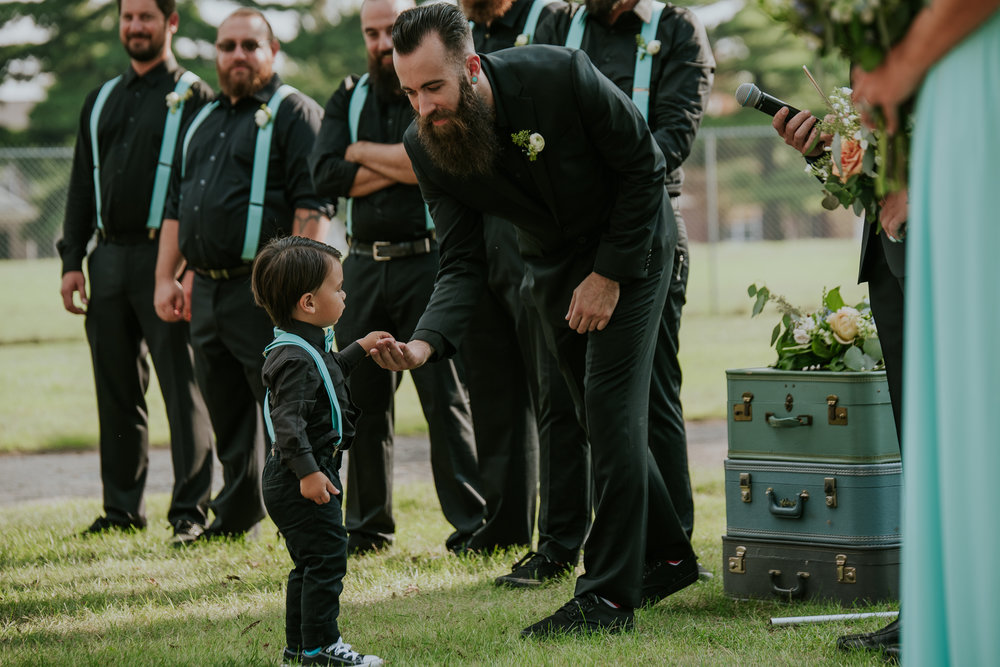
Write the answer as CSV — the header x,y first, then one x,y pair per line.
x,y
339,654
583,614
533,569
290,657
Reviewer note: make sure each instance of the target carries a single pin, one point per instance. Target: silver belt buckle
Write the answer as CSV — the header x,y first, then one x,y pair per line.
x,y
377,257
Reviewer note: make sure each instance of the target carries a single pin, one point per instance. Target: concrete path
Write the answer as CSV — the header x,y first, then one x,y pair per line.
x,y
32,477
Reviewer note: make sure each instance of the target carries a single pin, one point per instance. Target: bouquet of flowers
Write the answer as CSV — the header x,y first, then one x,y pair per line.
x,y
863,32
836,337
847,166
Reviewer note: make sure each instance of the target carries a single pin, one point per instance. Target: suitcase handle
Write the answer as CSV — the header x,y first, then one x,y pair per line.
x,y
789,512
794,593
788,422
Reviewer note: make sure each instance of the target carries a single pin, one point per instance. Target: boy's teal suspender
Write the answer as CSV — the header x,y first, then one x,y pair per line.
x,y
285,338
171,128
643,61
261,158
353,120
531,22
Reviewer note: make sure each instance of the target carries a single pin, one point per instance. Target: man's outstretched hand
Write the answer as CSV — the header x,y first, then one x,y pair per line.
x,y
392,355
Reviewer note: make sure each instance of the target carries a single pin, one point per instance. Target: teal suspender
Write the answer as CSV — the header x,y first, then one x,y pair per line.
x,y
643,60
353,120
285,338
644,63
95,115
531,23
167,147
258,183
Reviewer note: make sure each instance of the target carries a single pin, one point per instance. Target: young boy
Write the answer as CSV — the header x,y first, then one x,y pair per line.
x,y
300,284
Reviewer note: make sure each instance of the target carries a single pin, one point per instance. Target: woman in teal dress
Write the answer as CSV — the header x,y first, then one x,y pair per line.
x,y
951,433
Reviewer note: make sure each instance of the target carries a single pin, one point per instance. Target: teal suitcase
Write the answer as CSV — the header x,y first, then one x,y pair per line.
x,y
823,503
812,416
789,571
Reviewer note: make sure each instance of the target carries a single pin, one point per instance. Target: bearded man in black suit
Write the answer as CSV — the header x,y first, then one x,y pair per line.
x,y
538,136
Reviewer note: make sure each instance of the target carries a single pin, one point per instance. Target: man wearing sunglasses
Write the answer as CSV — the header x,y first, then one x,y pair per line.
x,y
240,179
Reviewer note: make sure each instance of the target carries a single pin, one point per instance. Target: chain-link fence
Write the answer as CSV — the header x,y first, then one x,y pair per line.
x,y
741,184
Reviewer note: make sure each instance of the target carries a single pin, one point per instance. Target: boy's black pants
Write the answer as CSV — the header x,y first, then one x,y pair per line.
x,y
317,542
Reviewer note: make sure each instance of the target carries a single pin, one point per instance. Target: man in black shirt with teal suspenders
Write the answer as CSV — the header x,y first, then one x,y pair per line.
x,y
125,144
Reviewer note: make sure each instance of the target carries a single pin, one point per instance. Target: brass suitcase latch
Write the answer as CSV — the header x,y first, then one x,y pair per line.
x,y
743,412
745,495
836,416
830,490
845,575
737,564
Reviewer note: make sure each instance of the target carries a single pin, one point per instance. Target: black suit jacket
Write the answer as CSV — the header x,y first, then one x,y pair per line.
x,y
895,253
593,200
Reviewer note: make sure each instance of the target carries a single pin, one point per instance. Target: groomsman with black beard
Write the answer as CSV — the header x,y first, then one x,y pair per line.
x,y
391,266
669,77
216,221
538,137
505,321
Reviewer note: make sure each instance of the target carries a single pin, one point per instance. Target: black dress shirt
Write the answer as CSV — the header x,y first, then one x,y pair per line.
x,y
300,404
681,78
395,213
502,32
129,134
212,200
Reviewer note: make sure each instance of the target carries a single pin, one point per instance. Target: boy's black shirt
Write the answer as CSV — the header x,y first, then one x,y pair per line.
x,y
299,403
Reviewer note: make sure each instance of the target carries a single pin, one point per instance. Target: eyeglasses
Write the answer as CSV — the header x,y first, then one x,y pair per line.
x,y
248,45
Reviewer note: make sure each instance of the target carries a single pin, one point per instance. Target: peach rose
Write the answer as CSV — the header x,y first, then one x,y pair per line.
x,y
852,155
844,324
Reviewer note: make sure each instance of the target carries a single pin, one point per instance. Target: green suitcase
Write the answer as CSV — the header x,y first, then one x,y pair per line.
x,y
789,571
810,416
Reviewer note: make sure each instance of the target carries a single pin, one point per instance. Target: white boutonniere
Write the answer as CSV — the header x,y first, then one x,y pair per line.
x,y
262,116
531,143
174,100
522,39
647,49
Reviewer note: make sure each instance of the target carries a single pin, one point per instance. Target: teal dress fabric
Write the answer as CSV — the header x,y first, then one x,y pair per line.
x,y
951,430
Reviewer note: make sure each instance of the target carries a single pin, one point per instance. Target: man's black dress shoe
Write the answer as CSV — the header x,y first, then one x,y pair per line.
x,y
871,641
103,524
186,532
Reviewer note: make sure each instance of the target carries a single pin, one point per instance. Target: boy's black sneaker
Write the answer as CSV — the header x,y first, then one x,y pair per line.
x,y
666,577
339,654
290,657
533,570
583,614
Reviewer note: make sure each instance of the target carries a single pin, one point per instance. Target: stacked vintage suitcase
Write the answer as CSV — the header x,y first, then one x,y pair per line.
x,y
812,487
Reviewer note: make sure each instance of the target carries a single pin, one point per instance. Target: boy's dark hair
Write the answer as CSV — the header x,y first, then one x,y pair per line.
x,y
287,268
168,7
443,18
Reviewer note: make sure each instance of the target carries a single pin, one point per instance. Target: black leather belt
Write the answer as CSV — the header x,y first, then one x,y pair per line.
x,y
133,237
383,251
225,274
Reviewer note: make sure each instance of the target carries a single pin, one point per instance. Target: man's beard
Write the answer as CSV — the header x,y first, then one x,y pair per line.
x,y
144,54
241,88
600,8
485,11
383,79
467,143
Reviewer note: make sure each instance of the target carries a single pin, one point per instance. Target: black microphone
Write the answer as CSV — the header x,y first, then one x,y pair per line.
x,y
749,95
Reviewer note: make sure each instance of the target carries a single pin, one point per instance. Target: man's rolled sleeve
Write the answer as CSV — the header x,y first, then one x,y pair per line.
x,y
298,128
332,175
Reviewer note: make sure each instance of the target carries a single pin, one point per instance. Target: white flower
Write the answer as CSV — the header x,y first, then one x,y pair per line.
x,y
536,143
521,40
653,47
801,336
262,116
173,100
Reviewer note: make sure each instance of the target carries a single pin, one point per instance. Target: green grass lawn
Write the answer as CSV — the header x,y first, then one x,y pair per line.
x,y
129,599
46,384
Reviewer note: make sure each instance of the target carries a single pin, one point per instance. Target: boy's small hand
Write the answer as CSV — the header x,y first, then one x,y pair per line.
x,y
317,487
368,342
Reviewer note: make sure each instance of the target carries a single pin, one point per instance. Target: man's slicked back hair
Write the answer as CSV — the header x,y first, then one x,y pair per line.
x,y
442,18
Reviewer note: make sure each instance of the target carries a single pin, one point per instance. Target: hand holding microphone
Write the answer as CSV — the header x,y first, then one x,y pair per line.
x,y
797,128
